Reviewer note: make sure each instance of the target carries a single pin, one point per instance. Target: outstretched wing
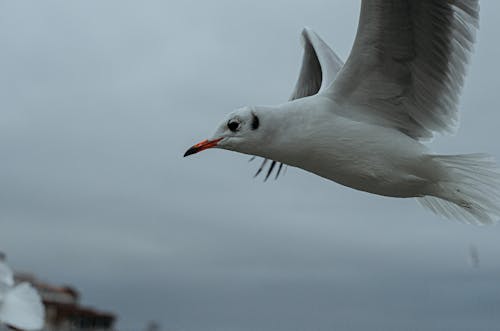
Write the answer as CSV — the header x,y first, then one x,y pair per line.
x,y
407,65
320,66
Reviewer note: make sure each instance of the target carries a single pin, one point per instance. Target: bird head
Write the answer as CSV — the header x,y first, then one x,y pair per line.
x,y
239,131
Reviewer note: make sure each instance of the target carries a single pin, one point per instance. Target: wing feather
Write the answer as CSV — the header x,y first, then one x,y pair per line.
x,y
407,65
320,65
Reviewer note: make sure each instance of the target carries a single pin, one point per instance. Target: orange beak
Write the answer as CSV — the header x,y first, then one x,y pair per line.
x,y
205,144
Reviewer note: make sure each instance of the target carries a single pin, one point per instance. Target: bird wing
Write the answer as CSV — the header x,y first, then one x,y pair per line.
x,y
6,274
22,308
407,64
319,67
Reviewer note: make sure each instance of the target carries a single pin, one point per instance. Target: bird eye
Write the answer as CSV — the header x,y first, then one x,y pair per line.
x,y
255,122
233,125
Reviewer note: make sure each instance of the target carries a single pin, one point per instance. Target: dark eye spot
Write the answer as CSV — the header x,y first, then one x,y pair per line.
x,y
255,122
233,125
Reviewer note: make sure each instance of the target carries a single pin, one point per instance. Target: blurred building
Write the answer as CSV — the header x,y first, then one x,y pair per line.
x,y
63,310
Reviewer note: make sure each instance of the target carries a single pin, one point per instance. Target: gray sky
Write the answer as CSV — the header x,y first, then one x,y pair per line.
x,y
99,100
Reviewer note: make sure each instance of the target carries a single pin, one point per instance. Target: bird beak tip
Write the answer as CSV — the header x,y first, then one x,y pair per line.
x,y
190,151
205,144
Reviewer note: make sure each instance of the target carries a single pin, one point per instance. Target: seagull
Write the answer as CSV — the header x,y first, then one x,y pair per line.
x,y
364,123
20,305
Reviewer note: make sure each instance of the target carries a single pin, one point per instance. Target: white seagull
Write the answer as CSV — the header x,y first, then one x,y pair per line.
x,y
20,305
363,123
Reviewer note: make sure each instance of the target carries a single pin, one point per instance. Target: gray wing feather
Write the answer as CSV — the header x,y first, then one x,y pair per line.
x,y
320,66
407,65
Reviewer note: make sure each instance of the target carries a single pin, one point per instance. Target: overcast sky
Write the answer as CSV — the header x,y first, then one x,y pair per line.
x,y
100,99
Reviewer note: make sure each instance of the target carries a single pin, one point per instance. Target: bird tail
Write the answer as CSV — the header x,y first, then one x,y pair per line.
x,y
22,308
470,192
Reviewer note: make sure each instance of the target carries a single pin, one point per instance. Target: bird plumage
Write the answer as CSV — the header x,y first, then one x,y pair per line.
x,y
362,123
407,65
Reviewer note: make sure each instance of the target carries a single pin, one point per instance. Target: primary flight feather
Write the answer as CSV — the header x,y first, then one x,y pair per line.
x,y
362,124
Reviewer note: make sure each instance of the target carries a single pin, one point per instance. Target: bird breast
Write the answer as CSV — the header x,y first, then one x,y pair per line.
x,y
363,156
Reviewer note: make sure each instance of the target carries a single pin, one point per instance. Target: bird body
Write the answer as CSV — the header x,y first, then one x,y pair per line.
x,y
363,123
360,155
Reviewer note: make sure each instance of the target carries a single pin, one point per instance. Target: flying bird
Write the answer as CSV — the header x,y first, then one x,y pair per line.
x,y
20,304
364,123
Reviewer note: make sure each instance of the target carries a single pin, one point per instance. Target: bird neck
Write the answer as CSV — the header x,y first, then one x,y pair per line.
x,y
285,130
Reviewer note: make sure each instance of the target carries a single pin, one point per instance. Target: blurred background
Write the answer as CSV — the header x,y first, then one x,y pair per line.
x,y
100,99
